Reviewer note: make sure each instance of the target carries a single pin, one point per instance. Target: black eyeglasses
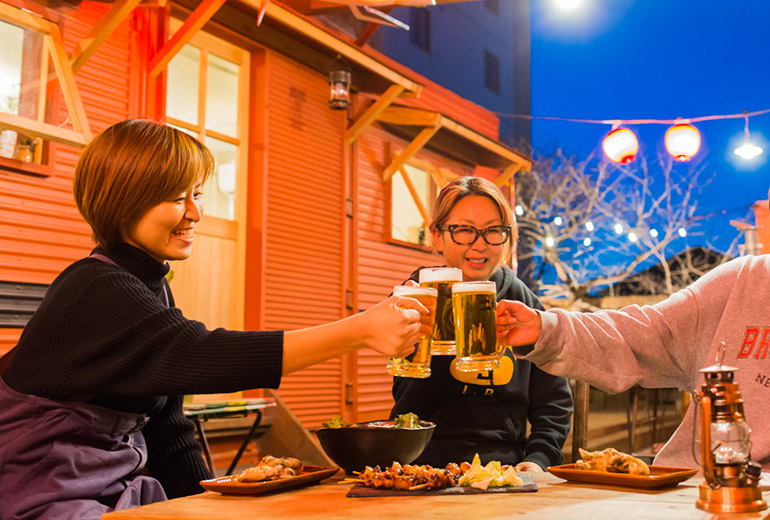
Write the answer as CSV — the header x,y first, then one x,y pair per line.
x,y
467,235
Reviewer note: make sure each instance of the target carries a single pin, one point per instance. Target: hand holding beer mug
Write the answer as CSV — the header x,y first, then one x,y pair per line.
x,y
442,279
476,326
419,366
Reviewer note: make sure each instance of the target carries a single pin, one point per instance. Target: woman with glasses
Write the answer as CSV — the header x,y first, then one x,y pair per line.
x,y
485,412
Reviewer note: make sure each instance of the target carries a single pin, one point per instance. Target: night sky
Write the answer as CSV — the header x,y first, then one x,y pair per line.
x,y
660,59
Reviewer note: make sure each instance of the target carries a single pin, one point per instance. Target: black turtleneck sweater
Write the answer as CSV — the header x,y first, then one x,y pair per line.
x,y
487,413
104,335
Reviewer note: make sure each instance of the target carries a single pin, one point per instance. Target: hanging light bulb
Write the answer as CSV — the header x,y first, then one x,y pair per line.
x,y
682,141
747,150
620,146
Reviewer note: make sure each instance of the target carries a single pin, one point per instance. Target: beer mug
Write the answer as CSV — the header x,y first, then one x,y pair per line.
x,y
419,365
442,278
476,326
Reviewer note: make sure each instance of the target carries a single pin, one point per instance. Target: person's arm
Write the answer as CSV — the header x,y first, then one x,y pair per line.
x,y
655,346
391,327
549,415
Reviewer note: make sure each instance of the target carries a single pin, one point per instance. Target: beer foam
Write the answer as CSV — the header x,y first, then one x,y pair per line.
x,y
475,287
406,290
441,274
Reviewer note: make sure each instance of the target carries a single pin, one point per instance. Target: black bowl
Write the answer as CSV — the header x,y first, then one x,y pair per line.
x,y
374,443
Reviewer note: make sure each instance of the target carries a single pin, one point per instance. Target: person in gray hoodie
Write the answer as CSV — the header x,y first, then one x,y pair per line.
x,y
663,345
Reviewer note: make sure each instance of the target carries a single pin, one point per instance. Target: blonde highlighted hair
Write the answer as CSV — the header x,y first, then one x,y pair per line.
x,y
131,167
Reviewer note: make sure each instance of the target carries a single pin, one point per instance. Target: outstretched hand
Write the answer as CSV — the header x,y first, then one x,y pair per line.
x,y
394,325
517,324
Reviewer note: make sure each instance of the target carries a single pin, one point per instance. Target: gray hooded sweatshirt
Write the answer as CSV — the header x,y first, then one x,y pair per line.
x,y
666,344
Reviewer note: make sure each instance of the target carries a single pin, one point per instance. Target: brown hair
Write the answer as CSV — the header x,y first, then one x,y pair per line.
x,y
131,167
460,188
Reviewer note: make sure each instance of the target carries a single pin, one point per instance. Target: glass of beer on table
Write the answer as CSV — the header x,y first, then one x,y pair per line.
x,y
442,278
419,365
475,326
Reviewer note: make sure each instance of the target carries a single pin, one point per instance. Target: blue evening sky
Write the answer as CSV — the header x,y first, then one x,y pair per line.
x,y
659,59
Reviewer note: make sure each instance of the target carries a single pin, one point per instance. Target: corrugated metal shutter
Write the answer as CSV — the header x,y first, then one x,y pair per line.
x,y
41,231
303,268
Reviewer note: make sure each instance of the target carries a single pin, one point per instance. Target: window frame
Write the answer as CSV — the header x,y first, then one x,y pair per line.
x,y
491,58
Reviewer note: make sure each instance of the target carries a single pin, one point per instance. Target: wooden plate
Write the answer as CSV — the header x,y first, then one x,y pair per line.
x,y
230,486
660,476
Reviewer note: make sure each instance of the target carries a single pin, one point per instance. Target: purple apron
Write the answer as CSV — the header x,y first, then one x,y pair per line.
x,y
62,460
70,460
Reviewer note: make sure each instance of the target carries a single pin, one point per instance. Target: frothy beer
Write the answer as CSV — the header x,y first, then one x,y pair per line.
x,y
442,279
475,326
419,365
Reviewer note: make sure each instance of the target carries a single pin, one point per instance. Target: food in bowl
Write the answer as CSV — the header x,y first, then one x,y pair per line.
x,y
611,461
375,443
271,468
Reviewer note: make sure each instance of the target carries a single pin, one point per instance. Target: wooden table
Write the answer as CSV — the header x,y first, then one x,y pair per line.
x,y
555,499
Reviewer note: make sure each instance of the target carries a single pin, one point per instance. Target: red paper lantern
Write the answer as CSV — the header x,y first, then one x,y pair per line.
x,y
682,141
620,146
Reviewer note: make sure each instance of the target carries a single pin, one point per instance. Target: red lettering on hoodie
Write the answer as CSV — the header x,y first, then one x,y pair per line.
x,y
764,344
748,341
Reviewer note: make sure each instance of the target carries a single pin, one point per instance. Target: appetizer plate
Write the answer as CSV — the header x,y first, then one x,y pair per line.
x,y
230,486
660,476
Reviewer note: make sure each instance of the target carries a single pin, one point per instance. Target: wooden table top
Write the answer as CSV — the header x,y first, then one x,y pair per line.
x,y
555,498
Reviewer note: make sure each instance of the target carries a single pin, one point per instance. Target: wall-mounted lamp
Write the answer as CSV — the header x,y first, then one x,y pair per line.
x,y
339,84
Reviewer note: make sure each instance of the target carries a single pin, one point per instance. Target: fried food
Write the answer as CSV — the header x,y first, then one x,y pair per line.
x,y
271,468
493,474
611,461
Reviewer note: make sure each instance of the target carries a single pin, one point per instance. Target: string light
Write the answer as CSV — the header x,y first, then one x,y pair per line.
x,y
632,237
747,150
682,141
557,220
620,145
549,241
586,241
682,232
590,226
519,210
654,233
619,228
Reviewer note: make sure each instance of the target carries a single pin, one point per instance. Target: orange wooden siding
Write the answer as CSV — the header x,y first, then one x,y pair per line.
x,y
41,230
303,267
380,265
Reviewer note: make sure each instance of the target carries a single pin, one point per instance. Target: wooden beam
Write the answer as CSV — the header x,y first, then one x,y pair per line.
x,y
485,142
197,19
25,18
507,174
371,114
410,116
413,147
346,50
32,128
415,197
61,65
108,23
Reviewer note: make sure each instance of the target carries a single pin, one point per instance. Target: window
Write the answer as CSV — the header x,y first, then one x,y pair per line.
x,y
493,6
411,203
419,28
202,99
492,72
30,46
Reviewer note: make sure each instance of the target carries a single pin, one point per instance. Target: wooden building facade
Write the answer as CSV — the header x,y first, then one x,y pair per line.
x,y
313,214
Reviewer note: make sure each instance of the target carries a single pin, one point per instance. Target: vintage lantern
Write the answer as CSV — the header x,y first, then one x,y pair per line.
x,y
732,480
339,82
682,141
620,146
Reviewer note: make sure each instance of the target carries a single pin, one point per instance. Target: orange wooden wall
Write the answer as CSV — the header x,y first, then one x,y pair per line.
x,y
41,231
